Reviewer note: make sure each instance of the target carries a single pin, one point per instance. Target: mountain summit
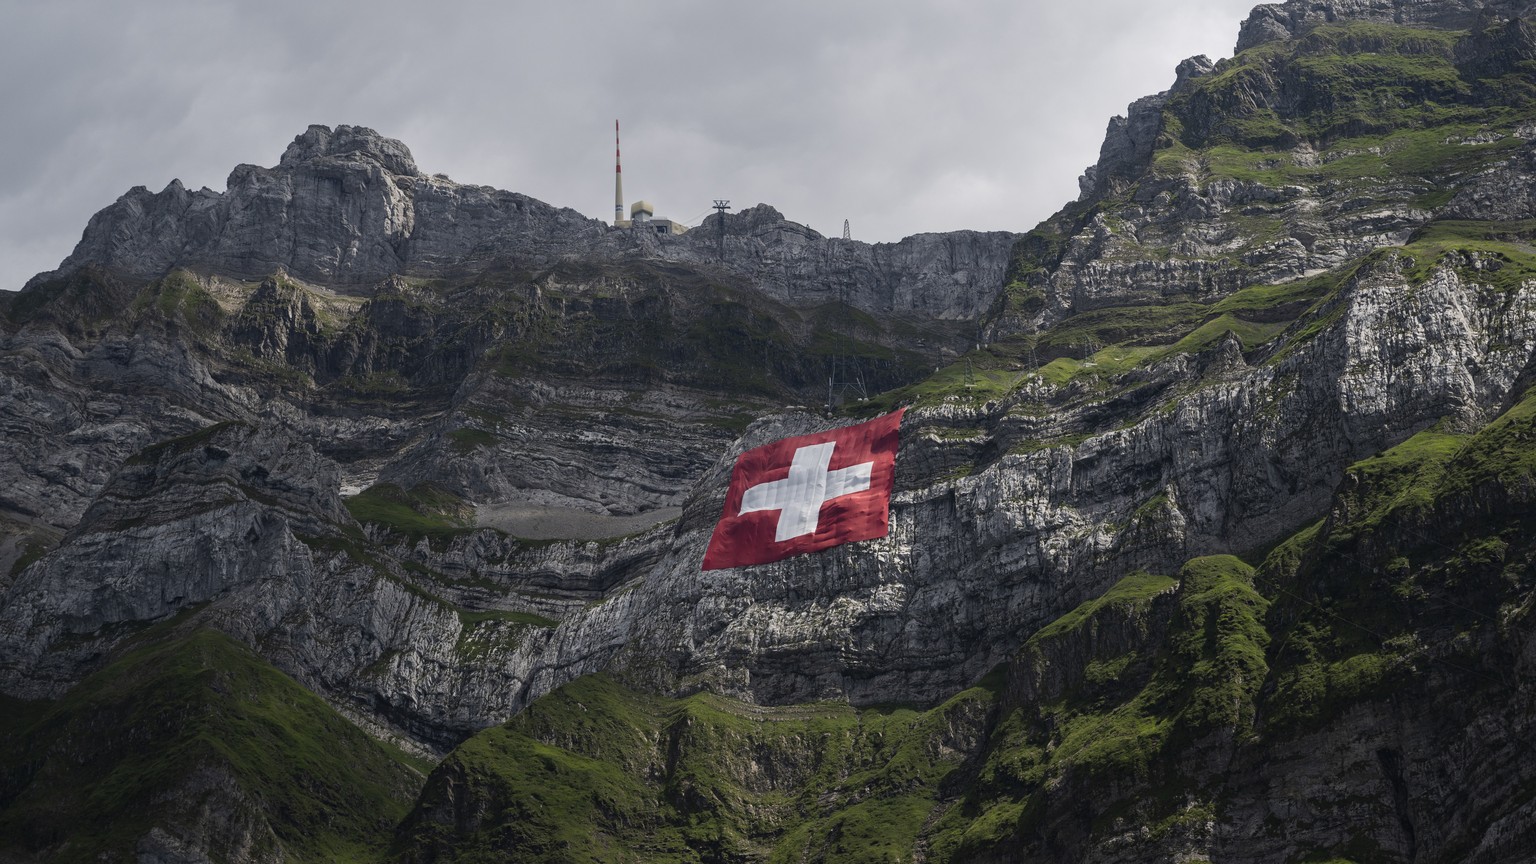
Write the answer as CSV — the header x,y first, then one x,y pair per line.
x,y
347,206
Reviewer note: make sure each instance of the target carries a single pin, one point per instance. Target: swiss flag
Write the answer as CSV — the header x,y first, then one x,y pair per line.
x,y
808,493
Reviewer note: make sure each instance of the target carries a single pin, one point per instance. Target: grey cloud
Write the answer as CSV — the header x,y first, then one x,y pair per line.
x,y
900,117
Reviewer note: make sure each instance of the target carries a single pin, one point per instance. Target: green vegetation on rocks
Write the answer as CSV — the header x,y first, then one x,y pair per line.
x,y
598,772
1111,341
195,735
468,439
425,510
1105,343
1425,538
1338,81
1134,590
182,299
1497,254
183,444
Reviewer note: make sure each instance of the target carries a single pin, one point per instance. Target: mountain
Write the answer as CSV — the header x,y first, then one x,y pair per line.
x,y
1210,539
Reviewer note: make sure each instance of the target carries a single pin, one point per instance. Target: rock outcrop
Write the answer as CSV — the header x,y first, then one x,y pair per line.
x,y
345,207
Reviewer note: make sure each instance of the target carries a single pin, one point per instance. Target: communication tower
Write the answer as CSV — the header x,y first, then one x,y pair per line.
x,y
618,180
721,205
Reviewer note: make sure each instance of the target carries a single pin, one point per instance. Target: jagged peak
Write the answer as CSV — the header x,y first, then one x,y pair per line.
x,y
755,216
321,141
1128,140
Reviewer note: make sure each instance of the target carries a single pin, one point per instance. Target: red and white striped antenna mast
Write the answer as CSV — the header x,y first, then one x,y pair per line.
x,y
618,179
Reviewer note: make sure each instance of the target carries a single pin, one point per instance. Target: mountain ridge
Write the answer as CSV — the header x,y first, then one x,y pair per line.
x,y
348,208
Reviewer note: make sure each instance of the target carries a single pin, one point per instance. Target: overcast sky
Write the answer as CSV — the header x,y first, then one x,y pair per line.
x,y
900,117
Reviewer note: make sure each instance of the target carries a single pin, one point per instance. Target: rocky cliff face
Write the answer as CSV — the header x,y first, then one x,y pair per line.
x,y
950,276
1214,551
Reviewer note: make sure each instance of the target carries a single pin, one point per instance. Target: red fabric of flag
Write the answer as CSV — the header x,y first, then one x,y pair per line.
x,y
808,493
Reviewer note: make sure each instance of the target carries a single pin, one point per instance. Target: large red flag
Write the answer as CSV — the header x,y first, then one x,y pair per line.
x,y
808,493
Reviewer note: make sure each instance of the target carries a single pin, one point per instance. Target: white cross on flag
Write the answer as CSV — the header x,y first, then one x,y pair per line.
x,y
808,493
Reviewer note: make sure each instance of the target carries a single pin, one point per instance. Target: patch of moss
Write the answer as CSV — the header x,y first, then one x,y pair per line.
x,y
473,617
1340,80
1424,538
1120,324
374,385
424,511
1219,644
1136,713
484,631
1137,588
32,550
180,298
1034,445
1405,478
1500,455
1315,683
1497,254
467,439
183,444
1250,334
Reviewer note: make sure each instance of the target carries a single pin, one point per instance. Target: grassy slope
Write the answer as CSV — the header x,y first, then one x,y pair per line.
x,y
1123,339
597,772
187,722
424,510
1430,544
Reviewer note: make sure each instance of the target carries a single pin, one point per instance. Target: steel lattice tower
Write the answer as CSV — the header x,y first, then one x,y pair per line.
x,y
721,205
